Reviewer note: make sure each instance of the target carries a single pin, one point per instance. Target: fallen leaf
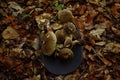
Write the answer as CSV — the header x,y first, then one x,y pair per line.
x,y
92,41
115,9
15,6
101,68
91,56
95,34
107,77
89,19
102,43
35,43
91,78
81,9
8,19
106,71
80,24
96,2
118,78
36,77
99,53
1,50
117,1
2,12
70,77
89,48
116,31
91,67
20,66
8,61
106,62
112,47
60,77
10,33
29,2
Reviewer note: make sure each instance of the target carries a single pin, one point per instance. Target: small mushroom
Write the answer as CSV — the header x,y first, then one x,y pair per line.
x,y
43,20
56,26
68,41
49,41
69,28
65,16
66,53
60,36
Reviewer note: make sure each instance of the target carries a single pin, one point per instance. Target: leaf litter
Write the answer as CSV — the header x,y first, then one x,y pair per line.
x,y
97,20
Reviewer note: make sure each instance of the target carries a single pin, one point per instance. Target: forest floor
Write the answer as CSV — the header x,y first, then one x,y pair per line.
x,y
97,20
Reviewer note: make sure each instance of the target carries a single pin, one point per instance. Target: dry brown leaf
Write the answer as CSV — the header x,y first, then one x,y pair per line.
x,y
10,33
92,41
116,31
70,77
118,78
101,68
81,9
106,62
89,48
80,24
106,71
91,56
44,1
102,43
115,9
35,43
91,78
8,19
9,62
100,53
117,1
112,47
95,34
91,67
107,77
20,66
90,16
96,2
1,50
29,2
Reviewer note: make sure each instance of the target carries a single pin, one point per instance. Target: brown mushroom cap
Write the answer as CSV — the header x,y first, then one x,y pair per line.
x,y
65,16
56,26
60,36
66,53
69,27
49,43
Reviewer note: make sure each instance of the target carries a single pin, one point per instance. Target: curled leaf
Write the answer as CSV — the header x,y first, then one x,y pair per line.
x,y
112,47
116,31
95,34
115,10
10,33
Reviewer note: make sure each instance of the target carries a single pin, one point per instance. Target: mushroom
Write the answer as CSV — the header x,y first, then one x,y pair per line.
x,y
70,28
49,41
68,41
60,36
66,53
56,26
43,20
65,16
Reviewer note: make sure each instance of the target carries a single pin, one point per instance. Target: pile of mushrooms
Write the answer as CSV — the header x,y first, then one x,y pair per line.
x,y
58,38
